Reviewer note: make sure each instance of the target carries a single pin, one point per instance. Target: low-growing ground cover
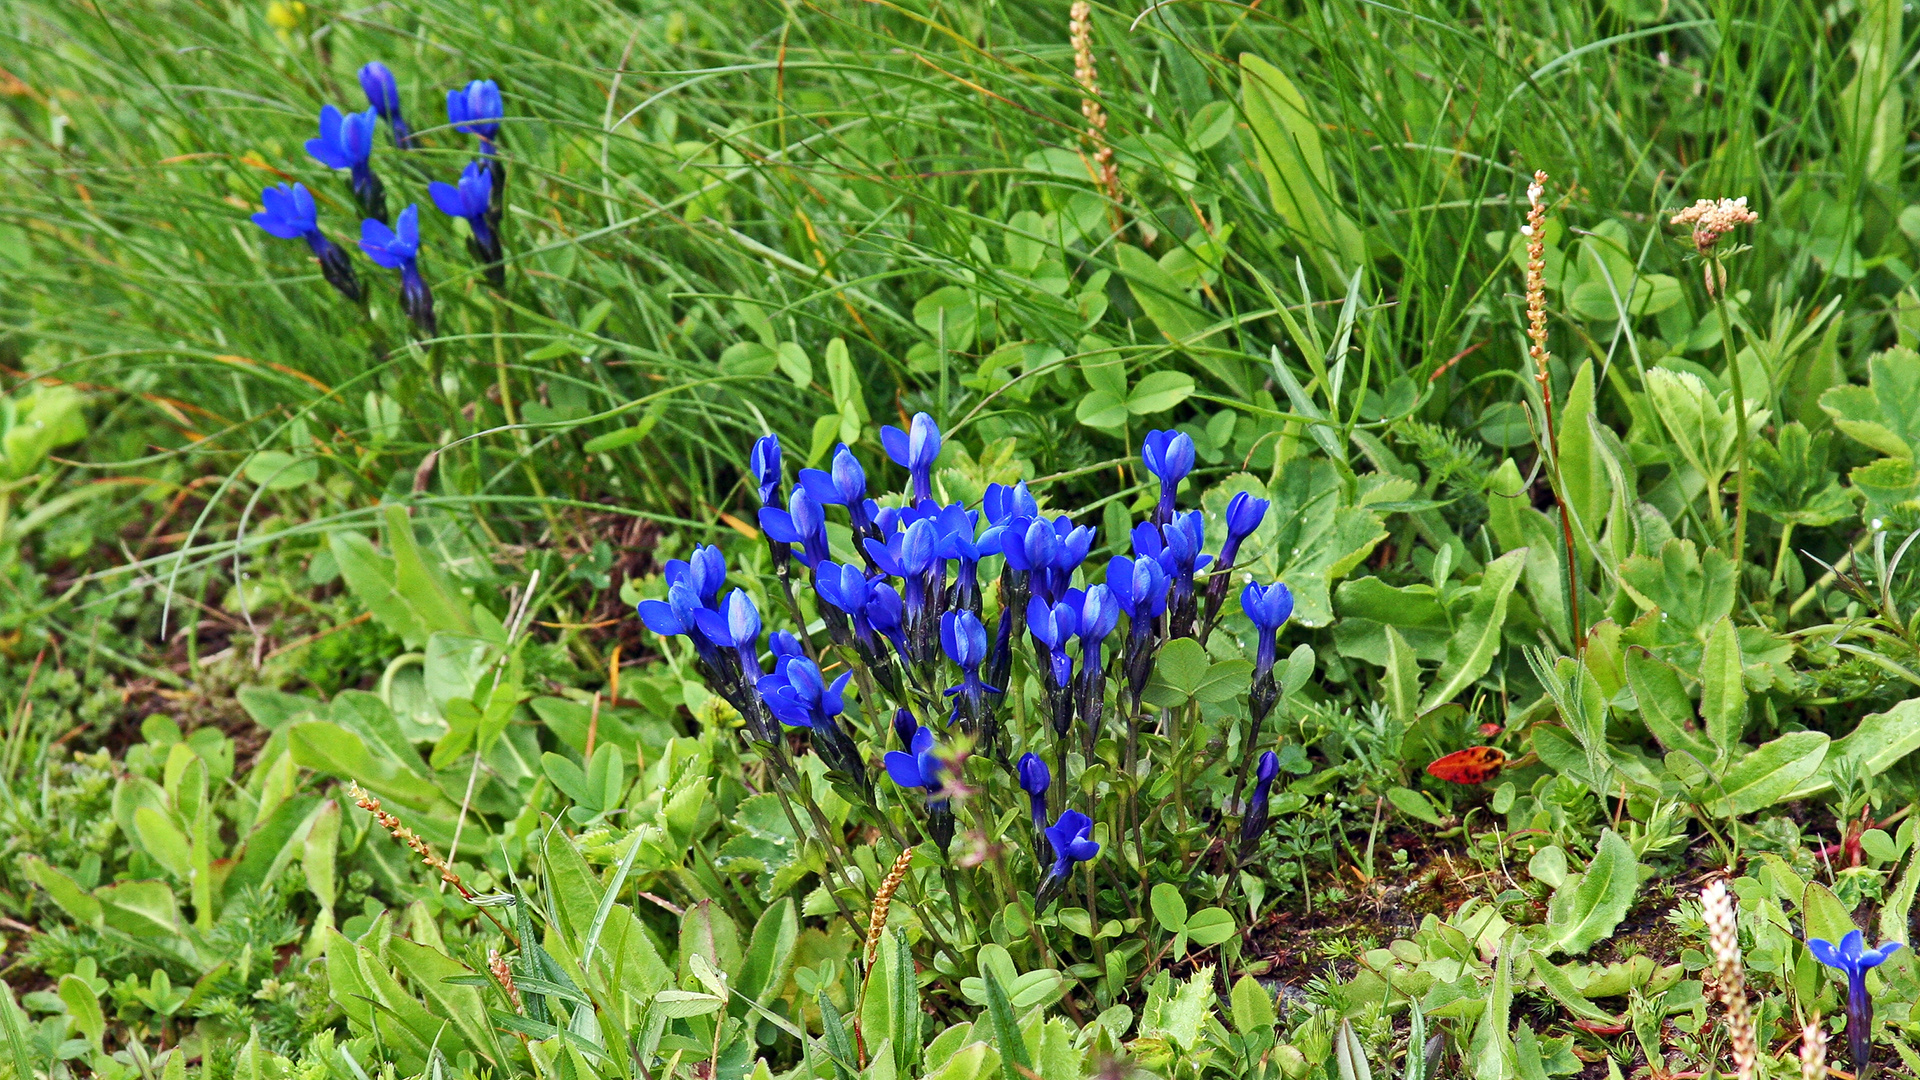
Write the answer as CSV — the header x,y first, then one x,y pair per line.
x,y
634,540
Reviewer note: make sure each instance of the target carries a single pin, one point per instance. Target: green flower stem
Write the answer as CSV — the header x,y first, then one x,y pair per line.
x,y
1718,274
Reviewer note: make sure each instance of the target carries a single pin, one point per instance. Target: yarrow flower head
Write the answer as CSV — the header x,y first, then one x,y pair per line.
x,y
472,200
1852,957
290,214
398,248
1711,219
346,142
915,450
383,95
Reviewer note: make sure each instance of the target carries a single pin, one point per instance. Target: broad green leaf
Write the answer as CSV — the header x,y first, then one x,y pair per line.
x,y
1492,1049
1824,915
770,953
1560,986
79,904
1102,409
1665,707
83,1008
276,470
951,315
795,364
1286,144
1159,391
329,748
1723,691
1477,638
164,841
1588,906
430,972
1413,804
1160,296
318,851
1692,590
1169,907
1224,681
1210,926
1402,679
1589,489
421,585
1767,775
1252,1008
1876,744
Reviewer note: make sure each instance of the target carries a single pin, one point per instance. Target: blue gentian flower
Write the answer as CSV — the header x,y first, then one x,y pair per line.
x,y
674,617
1255,821
1139,588
1099,614
915,451
476,109
290,214
917,766
1002,502
1074,542
1053,626
1853,957
845,485
799,696
912,555
965,640
783,644
1034,780
1177,548
1029,544
886,613
735,625
764,463
1168,455
1244,514
346,142
472,199
398,248
1268,609
1072,840
957,542
803,523
845,587
705,571
383,94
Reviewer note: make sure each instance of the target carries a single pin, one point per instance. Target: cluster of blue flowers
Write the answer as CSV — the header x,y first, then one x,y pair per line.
x,y
346,142
906,615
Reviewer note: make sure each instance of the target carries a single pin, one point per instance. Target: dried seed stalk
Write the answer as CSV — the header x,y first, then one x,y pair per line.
x,y
400,832
1087,74
883,902
1535,232
1729,979
1813,1050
